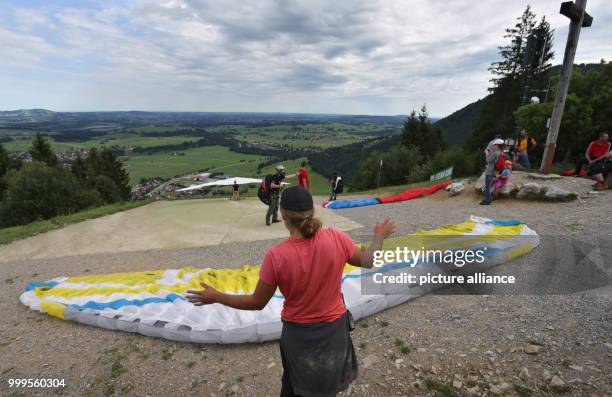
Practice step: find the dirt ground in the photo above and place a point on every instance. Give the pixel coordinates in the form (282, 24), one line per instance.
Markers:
(550, 336)
(161, 225)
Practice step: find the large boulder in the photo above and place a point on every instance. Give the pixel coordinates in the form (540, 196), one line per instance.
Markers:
(509, 189)
(533, 186)
(544, 177)
(530, 191)
(457, 188)
(555, 193)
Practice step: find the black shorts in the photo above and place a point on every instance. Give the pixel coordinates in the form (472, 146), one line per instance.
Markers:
(598, 167)
(318, 358)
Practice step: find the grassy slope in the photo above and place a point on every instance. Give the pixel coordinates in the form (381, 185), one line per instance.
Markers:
(318, 184)
(10, 234)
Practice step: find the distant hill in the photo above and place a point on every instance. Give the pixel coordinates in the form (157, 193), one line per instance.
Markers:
(458, 126)
(58, 121)
(26, 115)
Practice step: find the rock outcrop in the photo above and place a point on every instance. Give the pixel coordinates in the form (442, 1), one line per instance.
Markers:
(533, 186)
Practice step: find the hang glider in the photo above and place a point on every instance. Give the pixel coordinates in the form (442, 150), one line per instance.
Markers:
(224, 182)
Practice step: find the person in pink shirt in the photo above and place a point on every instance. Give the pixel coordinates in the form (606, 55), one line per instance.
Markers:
(316, 347)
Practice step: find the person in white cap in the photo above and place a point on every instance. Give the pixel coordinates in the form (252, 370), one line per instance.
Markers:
(492, 153)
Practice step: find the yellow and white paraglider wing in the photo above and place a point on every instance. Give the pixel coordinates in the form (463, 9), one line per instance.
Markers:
(153, 303)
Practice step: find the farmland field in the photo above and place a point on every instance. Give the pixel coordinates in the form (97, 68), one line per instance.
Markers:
(211, 158)
(168, 155)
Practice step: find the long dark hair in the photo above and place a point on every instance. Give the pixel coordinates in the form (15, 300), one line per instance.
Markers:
(304, 221)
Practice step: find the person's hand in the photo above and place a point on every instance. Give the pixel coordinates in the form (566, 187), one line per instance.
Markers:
(590, 162)
(385, 228)
(203, 297)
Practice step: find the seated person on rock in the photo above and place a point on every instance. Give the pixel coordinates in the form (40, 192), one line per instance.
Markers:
(595, 157)
(523, 146)
(502, 179)
(600, 170)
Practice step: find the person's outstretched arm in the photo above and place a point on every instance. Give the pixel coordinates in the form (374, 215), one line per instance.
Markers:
(256, 301)
(365, 258)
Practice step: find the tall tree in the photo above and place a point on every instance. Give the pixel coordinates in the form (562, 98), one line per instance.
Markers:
(419, 132)
(79, 169)
(524, 64)
(112, 167)
(5, 163)
(540, 59)
(102, 171)
(41, 151)
(512, 54)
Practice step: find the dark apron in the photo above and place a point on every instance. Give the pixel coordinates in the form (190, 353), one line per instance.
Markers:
(318, 358)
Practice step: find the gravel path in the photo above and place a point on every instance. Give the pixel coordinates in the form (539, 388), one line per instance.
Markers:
(469, 345)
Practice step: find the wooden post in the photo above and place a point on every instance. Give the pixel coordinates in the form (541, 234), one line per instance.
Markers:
(576, 23)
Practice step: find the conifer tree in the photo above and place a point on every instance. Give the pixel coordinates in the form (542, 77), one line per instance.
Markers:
(41, 151)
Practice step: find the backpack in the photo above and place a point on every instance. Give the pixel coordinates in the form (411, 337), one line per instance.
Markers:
(500, 164)
(520, 139)
(339, 185)
(264, 192)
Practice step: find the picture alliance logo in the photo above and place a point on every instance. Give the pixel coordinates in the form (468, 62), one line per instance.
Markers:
(459, 258)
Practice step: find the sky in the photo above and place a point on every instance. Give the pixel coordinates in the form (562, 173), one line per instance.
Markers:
(376, 57)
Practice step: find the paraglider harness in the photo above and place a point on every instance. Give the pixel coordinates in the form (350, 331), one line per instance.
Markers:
(264, 190)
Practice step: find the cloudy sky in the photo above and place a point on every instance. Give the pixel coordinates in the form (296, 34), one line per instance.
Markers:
(365, 57)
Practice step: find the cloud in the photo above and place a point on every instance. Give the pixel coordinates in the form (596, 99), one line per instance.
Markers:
(369, 56)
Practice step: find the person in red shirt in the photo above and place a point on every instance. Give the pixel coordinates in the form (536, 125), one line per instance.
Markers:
(316, 348)
(303, 178)
(595, 157)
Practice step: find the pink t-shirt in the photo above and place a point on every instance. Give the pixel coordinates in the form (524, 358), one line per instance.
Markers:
(308, 271)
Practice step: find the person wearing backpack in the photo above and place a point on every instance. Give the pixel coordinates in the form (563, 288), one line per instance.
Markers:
(337, 186)
(495, 162)
(273, 186)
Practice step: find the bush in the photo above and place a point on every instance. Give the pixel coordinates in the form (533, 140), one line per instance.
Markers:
(107, 189)
(37, 191)
(465, 162)
(400, 164)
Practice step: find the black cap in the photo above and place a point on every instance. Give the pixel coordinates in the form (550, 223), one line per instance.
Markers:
(296, 198)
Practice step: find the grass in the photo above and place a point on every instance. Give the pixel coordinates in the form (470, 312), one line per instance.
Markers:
(440, 387)
(117, 368)
(131, 140)
(522, 390)
(318, 183)
(14, 233)
(401, 345)
(166, 353)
